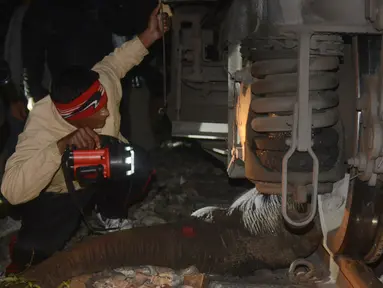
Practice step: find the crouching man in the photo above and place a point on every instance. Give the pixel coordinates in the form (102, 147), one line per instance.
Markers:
(83, 104)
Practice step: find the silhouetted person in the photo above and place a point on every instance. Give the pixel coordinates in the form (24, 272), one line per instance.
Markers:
(61, 33)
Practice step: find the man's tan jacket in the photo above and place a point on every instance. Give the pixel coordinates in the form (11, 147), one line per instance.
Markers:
(35, 166)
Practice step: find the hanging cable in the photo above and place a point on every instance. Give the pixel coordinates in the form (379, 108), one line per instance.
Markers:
(164, 79)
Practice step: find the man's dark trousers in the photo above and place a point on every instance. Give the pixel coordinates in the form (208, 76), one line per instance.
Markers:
(50, 220)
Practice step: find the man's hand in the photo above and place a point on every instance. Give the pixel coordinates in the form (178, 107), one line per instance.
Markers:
(18, 110)
(158, 25)
(82, 138)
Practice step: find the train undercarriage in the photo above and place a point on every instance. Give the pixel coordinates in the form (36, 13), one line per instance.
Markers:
(289, 95)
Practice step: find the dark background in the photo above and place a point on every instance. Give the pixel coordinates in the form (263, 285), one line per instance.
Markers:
(6, 10)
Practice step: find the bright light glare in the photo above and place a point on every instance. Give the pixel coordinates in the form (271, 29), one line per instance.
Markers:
(130, 160)
(30, 104)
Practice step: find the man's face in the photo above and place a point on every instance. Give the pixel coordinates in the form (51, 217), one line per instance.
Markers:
(96, 121)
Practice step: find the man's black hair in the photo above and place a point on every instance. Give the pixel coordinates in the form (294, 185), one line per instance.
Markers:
(72, 83)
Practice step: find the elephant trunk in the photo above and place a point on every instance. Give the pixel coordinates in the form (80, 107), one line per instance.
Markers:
(212, 248)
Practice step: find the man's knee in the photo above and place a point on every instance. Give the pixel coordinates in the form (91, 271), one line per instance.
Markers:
(24, 255)
(37, 242)
(49, 221)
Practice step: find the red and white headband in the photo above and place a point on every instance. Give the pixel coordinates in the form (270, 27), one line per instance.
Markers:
(87, 104)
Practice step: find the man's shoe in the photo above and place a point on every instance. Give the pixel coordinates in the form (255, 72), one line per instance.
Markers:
(112, 225)
(13, 268)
